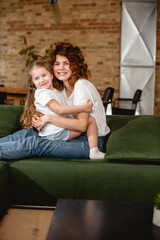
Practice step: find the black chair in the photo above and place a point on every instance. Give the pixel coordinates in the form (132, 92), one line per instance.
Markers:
(107, 96)
(107, 99)
(133, 104)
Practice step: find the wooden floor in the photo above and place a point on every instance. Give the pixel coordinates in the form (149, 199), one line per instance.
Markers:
(25, 224)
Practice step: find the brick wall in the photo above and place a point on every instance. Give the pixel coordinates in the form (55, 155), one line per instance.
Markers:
(93, 25)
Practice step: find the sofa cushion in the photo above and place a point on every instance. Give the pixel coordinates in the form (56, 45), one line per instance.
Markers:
(4, 188)
(9, 120)
(40, 181)
(134, 138)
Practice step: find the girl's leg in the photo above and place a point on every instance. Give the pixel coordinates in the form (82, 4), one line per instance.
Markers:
(74, 134)
(92, 134)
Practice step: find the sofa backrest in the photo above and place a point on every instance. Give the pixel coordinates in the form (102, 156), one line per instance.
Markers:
(10, 119)
(134, 138)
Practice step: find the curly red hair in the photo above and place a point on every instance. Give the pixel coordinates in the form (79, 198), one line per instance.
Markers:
(77, 63)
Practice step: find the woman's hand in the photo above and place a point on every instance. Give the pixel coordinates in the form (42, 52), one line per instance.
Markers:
(40, 121)
(88, 106)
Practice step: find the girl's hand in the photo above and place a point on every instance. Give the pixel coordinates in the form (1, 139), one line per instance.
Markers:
(88, 106)
(40, 121)
(44, 121)
(36, 120)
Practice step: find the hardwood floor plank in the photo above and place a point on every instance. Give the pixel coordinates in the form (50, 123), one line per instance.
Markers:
(25, 224)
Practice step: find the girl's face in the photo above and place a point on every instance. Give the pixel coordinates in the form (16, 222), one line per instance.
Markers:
(61, 68)
(42, 78)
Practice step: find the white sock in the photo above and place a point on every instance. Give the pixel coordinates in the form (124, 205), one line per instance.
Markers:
(96, 154)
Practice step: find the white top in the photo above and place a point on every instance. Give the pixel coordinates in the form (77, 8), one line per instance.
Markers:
(84, 90)
(42, 97)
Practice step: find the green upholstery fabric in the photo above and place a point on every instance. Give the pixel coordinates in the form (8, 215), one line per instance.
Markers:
(82, 179)
(9, 119)
(30, 183)
(134, 138)
(4, 188)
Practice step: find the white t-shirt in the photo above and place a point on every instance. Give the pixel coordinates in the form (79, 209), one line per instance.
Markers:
(42, 97)
(84, 90)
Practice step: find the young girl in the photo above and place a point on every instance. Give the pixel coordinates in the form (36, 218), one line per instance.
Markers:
(70, 68)
(48, 100)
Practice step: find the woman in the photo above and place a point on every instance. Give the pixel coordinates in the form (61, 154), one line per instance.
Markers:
(70, 68)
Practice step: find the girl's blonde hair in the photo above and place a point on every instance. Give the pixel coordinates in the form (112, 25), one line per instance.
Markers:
(29, 107)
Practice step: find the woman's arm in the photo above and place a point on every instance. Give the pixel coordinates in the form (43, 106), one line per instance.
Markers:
(66, 110)
(78, 124)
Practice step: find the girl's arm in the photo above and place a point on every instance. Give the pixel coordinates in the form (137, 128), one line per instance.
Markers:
(78, 124)
(66, 110)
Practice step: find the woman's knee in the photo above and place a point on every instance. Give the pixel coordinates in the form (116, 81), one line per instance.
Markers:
(28, 132)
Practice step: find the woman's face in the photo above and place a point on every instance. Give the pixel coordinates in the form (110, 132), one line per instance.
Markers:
(61, 68)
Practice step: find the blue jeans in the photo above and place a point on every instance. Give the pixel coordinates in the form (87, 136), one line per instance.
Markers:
(26, 143)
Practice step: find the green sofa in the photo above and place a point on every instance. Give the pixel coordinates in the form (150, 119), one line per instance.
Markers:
(129, 172)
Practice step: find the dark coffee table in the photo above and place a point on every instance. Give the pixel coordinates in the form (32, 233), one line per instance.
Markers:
(102, 220)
